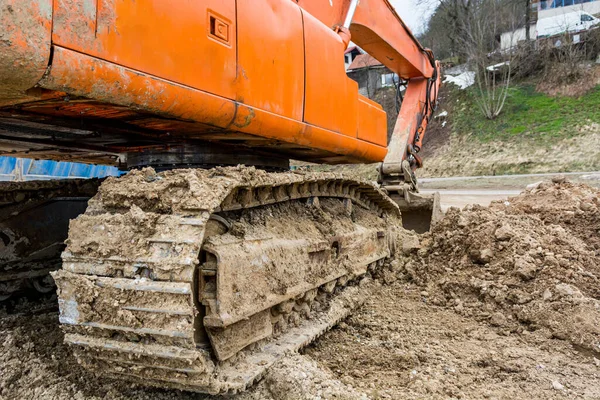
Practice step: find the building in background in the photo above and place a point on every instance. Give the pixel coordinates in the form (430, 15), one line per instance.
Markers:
(551, 8)
(552, 18)
(351, 53)
(370, 75)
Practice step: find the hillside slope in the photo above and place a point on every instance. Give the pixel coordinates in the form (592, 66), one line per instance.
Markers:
(535, 133)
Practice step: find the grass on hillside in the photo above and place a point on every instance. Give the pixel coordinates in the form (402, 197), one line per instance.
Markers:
(527, 114)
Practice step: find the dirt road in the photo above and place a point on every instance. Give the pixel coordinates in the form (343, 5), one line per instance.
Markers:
(460, 198)
(499, 182)
(460, 191)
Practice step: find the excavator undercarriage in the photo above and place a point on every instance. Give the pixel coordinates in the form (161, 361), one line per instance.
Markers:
(201, 279)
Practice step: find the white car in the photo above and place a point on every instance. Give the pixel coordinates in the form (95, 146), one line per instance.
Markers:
(572, 22)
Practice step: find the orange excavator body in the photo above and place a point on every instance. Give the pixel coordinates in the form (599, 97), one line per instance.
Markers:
(120, 79)
(194, 278)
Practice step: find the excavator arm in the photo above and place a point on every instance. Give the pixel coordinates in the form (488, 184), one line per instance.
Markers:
(375, 26)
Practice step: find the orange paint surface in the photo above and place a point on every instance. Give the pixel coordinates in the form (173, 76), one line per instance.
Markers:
(271, 57)
(82, 75)
(331, 97)
(268, 68)
(167, 39)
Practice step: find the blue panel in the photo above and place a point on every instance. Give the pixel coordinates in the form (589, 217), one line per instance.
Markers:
(80, 170)
(38, 167)
(7, 165)
(61, 169)
(46, 169)
(27, 162)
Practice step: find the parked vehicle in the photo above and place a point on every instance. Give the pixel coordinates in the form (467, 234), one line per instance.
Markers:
(572, 22)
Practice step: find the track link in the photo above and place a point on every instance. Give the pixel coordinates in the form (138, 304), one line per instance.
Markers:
(202, 279)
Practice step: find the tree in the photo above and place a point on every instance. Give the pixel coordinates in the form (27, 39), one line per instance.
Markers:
(474, 28)
(452, 22)
(527, 20)
(492, 77)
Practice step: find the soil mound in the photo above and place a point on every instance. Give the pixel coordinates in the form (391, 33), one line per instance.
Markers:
(531, 263)
(573, 206)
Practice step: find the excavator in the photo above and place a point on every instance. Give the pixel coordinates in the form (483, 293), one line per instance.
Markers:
(210, 260)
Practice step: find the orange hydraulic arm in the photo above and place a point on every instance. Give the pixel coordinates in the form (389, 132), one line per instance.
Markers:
(375, 26)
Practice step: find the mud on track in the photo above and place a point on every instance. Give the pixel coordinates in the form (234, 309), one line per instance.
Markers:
(36, 364)
(498, 303)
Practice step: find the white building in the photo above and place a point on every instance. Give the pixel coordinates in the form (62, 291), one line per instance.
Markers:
(554, 16)
(508, 40)
(551, 8)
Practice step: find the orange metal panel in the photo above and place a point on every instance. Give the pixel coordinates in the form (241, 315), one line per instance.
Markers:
(332, 14)
(271, 56)
(24, 46)
(190, 42)
(372, 122)
(82, 75)
(331, 97)
(377, 29)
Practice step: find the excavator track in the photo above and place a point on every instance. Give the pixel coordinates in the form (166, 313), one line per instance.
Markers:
(202, 279)
(34, 221)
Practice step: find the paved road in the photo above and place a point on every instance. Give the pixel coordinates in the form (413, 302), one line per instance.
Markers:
(591, 175)
(460, 198)
(503, 182)
(463, 190)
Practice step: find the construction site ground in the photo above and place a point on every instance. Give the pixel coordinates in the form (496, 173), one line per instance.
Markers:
(498, 302)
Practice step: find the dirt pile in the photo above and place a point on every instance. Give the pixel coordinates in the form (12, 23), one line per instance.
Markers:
(531, 263)
(522, 277)
(573, 206)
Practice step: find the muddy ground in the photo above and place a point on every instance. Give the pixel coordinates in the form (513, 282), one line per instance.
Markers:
(500, 302)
